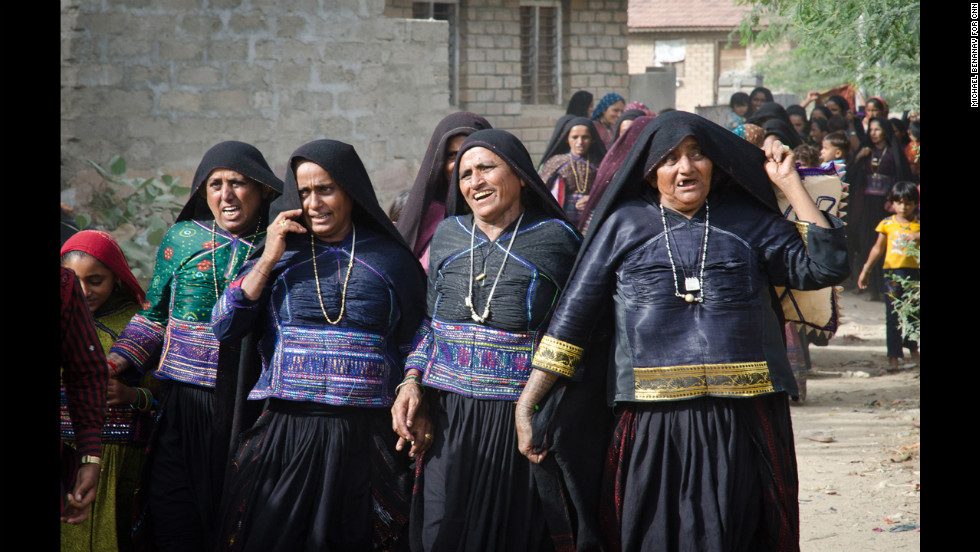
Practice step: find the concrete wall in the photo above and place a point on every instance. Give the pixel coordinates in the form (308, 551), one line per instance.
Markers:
(160, 81)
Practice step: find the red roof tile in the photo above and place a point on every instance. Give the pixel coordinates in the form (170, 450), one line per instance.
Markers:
(661, 14)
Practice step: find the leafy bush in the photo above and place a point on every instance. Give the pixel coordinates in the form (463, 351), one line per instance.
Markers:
(907, 304)
(136, 211)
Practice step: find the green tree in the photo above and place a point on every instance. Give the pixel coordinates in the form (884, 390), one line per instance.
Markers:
(136, 211)
(819, 44)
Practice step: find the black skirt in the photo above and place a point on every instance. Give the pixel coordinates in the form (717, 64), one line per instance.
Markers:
(301, 479)
(706, 474)
(473, 488)
(182, 502)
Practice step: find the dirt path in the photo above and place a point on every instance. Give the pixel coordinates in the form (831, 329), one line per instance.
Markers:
(857, 442)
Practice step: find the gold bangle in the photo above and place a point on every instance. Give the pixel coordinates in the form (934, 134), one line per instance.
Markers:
(89, 459)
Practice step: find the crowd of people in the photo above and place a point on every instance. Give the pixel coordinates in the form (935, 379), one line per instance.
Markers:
(583, 353)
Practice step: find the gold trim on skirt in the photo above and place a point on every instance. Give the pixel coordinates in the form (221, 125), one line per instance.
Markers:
(745, 379)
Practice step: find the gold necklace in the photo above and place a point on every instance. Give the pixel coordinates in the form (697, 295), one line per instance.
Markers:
(580, 188)
(316, 276)
(214, 241)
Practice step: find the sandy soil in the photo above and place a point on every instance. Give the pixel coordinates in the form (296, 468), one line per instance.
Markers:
(857, 441)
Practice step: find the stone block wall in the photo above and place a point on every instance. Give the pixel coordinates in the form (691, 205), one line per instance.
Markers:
(160, 82)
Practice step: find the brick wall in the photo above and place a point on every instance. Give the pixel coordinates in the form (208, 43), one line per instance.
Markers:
(594, 50)
(160, 82)
(701, 65)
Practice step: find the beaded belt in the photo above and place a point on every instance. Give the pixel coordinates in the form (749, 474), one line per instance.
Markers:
(476, 361)
(329, 366)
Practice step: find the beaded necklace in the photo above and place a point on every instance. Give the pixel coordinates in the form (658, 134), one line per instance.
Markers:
(691, 284)
(316, 277)
(469, 297)
(580, 188)
(214, 240)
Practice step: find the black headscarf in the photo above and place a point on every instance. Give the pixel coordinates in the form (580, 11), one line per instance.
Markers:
(579, 104)
(784, 131)
(556, 135)
(628, 115)
(734, 159)
(560, 144)
(345, 166)
(430, 184)
(240, 157)
(767, 111)
(510, 149)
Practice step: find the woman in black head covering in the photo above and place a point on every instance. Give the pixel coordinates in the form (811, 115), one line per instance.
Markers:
(684, 247)
(625, 120)
(426, 204)
(561, 126)
(496, 266)
(783, 131)
(572, 165)
(337, 296)
(580, 105)
(223, 222)
(875, 170)
(838, 105)
(768, 111)
(759, 95)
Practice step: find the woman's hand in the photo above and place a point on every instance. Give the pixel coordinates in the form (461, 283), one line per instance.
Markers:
(781, 167)
(523, 413)
(581, 203)
(275, 246)
(781, 164)
(81, 497)
(275, 238)
(862, 153)
(410, 420)
(120, 394)
(537, 386)
(811, 97)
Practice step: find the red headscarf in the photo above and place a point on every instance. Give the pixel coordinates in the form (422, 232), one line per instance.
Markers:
(104, 247)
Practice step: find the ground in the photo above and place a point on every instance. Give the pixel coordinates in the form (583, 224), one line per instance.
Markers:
(857, 441)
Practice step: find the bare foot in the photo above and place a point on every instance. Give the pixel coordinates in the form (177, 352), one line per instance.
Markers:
(893, 364)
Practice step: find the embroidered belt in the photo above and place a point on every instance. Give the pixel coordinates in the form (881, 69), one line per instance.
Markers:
(190, 353)
(122, 424)
(341, 367)
(718, 380)
(479, 362)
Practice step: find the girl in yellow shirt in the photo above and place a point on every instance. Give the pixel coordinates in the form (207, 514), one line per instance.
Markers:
(895, 233)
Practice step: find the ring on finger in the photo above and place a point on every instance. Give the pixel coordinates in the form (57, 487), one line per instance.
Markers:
(282, 222)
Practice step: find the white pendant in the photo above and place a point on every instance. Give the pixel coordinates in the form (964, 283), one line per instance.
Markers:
(692, 284)
(689, 298)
